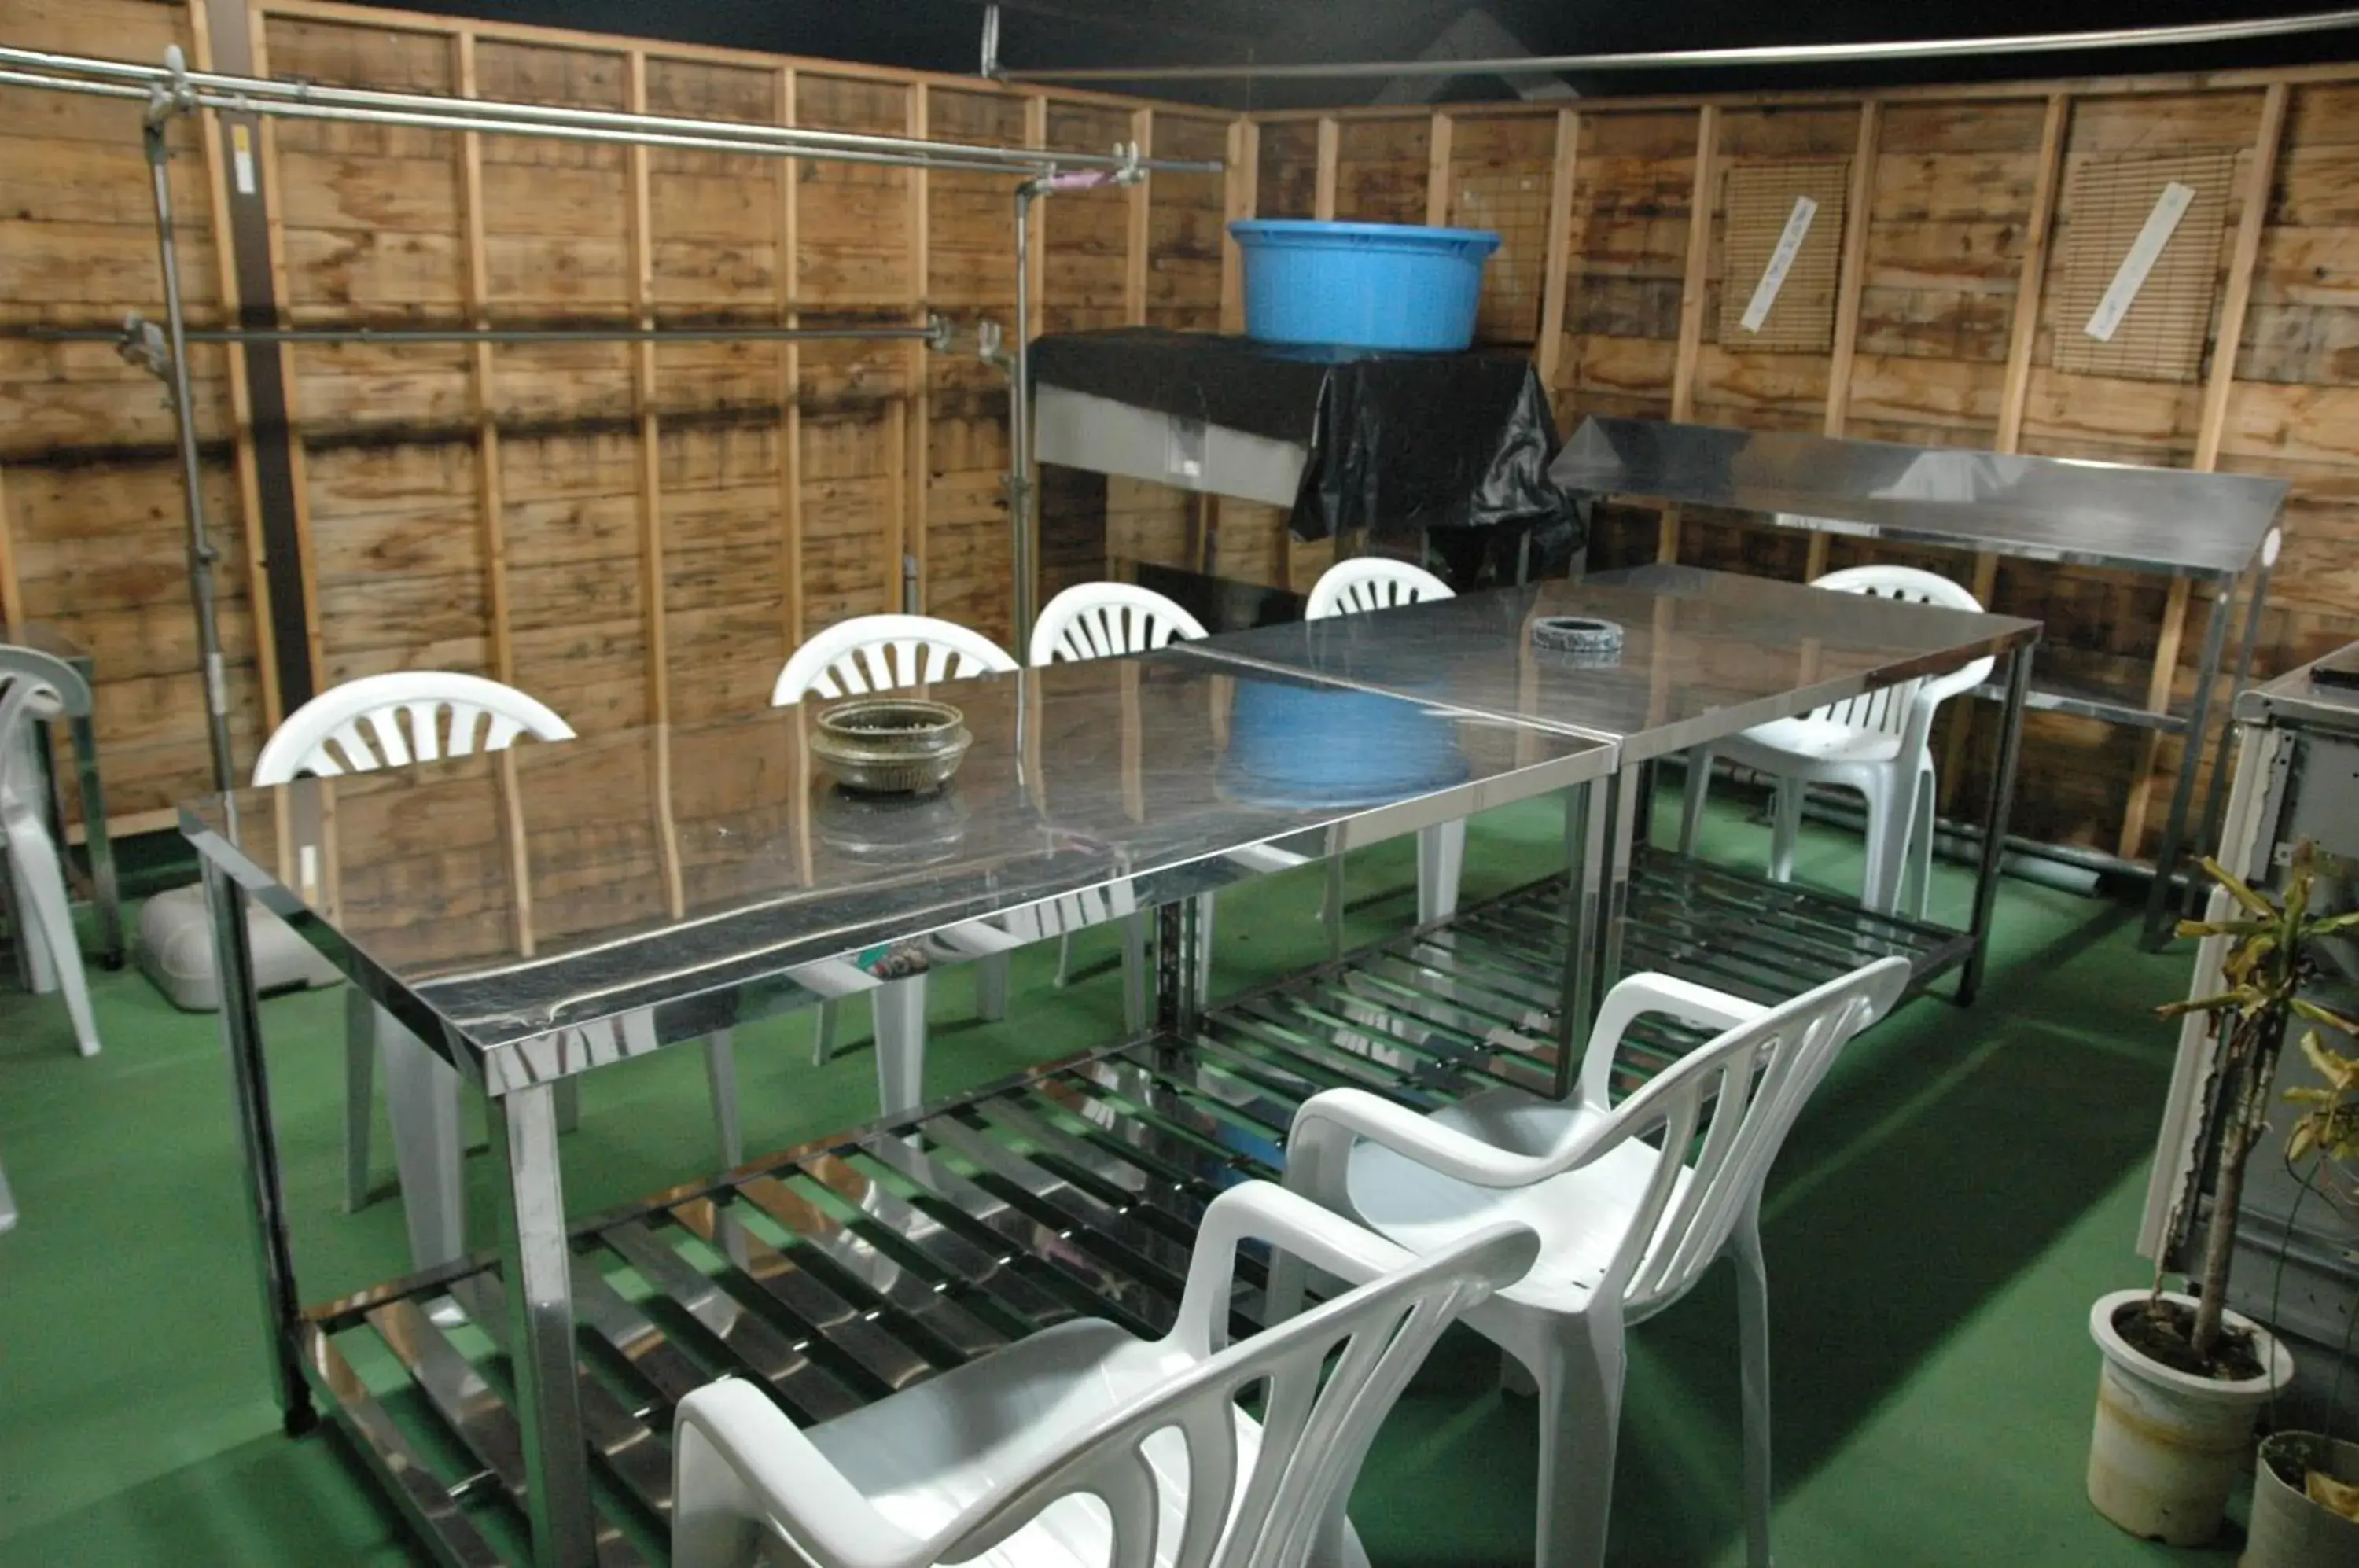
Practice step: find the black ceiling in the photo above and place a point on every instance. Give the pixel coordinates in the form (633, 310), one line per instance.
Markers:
(945, 35)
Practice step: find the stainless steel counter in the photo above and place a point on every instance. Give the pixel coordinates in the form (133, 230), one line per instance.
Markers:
(2220, 527)
(2216, 525)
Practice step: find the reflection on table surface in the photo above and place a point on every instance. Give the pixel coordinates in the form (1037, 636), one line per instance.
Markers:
(1705, 653)
(521, 890)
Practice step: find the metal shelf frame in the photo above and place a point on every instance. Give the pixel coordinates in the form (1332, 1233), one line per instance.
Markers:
(840, 1270)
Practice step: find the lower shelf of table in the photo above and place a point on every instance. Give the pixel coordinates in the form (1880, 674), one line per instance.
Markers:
(837, 1272)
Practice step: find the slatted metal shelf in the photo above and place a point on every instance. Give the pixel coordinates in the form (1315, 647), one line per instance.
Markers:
(839, 1271)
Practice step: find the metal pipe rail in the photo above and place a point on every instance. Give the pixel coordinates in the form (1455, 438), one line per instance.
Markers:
(295, 100)
(937, 333)
(1673, 59)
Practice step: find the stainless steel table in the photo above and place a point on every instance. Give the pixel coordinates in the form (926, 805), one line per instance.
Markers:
(98, 849)
(2219, 528)
(1706, 654)
(546, 913)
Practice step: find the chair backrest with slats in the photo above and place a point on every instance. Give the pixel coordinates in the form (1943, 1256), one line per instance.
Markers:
(33, 687)
(1887, 711)
(1717, 1118)
(1329, 1377)
(885, 653)
(1371, 583)
(1095, 620)
(392, 720)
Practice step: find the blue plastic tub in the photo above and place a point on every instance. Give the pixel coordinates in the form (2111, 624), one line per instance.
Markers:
(1362, 285)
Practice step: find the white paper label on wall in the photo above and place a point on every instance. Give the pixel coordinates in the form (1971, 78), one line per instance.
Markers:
(241, 157)
(1781, 261)
(2168, 208)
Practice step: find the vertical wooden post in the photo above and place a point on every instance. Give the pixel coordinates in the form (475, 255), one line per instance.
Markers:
(299, 477)
(482, 395)
(12, 587)
(1850, 282)
(1555, 284)
(785, 291)
(1692, 293)
(1036, 135)
(2023, 333)
(917, 415)
(1240, 199)
(1138, 227)
(1330, 145)
(2252, 224)
(1439, 136)
(651, 565)
(240, 400)
(482, 391)
(2030, 282)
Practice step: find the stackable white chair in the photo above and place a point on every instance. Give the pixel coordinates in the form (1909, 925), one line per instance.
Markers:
(1082, 1445)
(1632, 1203)
(396, 721)
(34, 688)
(1096, 620)
(885, 653)
(1373, 583)
(1879, 744)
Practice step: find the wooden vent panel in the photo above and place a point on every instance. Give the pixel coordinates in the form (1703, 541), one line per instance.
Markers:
(1758, 200)
(2106, 203)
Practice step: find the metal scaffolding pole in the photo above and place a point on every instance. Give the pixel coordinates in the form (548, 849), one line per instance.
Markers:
(1676, 59)
(937, 333)
(161, 109)
(293, 100)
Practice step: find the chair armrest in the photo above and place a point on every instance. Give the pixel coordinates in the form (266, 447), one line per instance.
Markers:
(1328, 1123)
(1635, 997)
(1287, 1221)
(770, 1459)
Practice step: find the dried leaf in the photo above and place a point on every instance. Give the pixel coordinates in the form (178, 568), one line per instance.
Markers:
(2335, 1497)
(2318, 1015)
(2237, 889)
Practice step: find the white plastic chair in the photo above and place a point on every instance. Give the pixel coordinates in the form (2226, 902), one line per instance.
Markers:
(1879, 744)
(395, 721)
(1097, 620)
(883, 653)
(1373, 583)
(35, 687)
(1632, 1203)
(999, 1461)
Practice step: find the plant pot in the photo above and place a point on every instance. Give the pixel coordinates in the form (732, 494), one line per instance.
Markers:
(2168, 1445)
(2288, 1530)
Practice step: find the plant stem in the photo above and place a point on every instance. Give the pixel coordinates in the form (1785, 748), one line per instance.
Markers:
(2247, 1120)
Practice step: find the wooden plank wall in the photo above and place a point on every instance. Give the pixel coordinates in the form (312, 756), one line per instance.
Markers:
(633, 533)
(1956, 202)
(91, 531)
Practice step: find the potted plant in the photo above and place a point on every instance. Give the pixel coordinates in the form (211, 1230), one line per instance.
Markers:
(2184, 1377)
(2306, 1486)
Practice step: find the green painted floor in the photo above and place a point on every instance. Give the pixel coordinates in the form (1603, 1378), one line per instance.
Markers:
(1963, 1186)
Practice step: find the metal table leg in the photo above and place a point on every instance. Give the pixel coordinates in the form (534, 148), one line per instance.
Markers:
(1616, 841)
(1179, 967)
(2190, 756)
(535, 1267)
(265, 1198)
(1585, 861)
(2002, 800)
